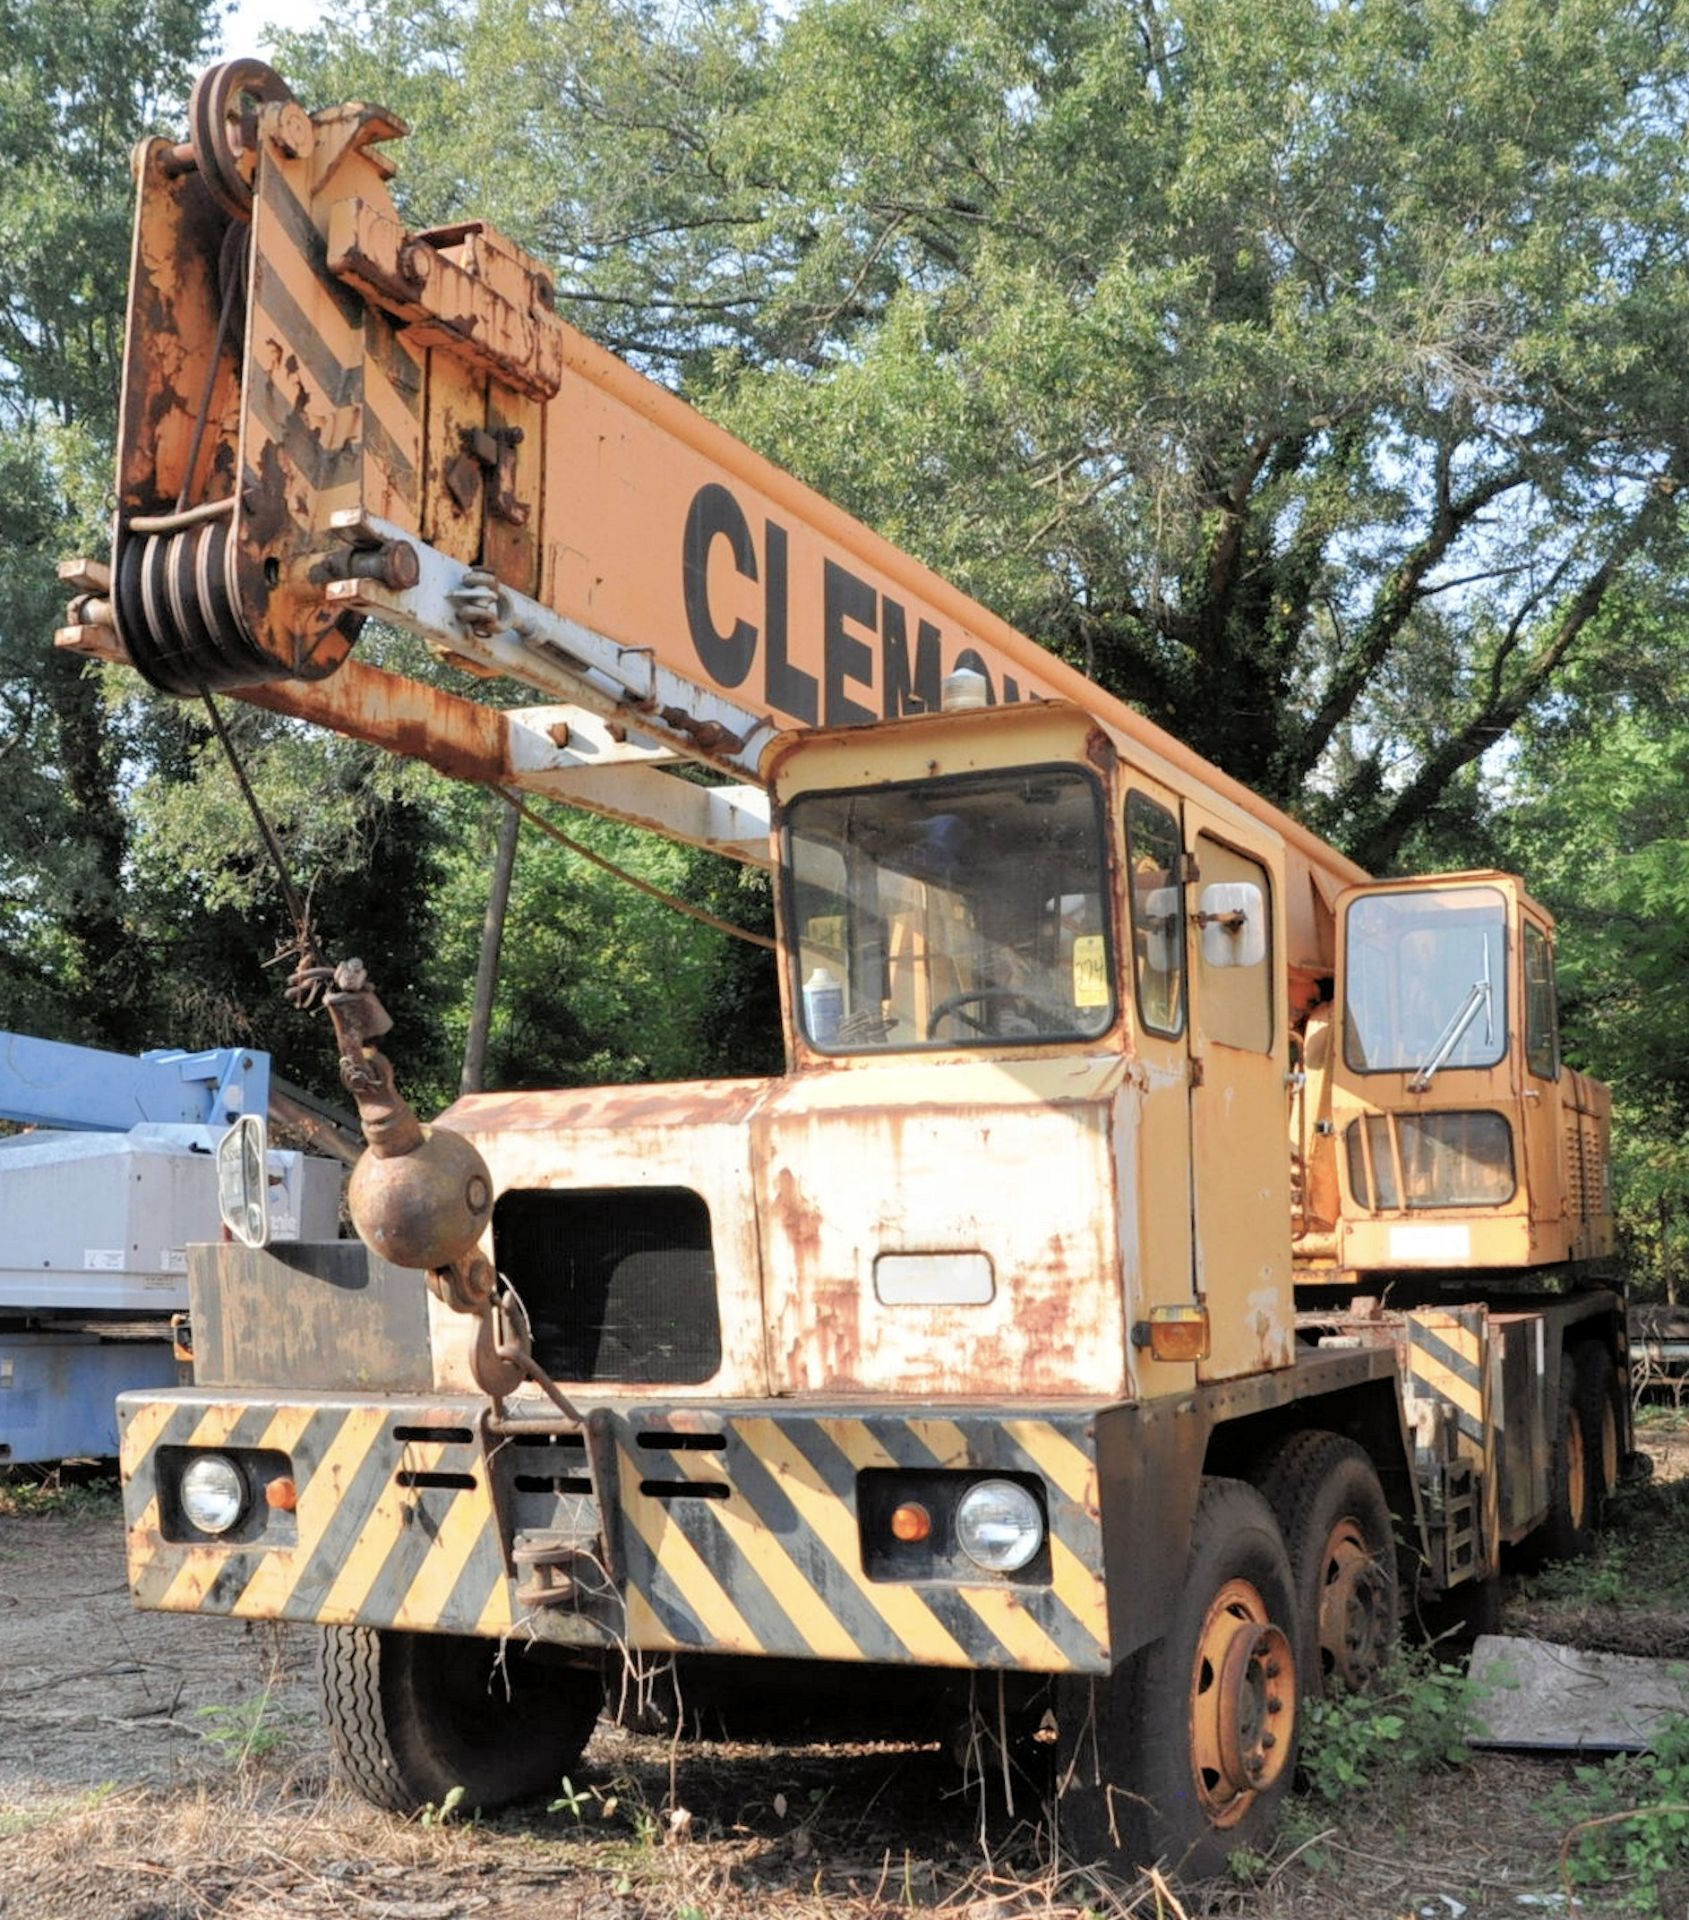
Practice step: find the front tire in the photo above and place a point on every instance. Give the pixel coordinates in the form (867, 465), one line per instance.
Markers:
(413, 1716)
(1183, 1753)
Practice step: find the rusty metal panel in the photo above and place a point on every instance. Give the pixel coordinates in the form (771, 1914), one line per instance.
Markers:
(174, 309)
(749, 1543)
(692, 1136)
(1524, 1418)
(1012, 1163)
(317, 1315)
(395, 1523)
(452, 506)
(514, 493)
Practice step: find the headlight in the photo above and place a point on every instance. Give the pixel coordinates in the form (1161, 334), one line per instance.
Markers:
(998, 1526)
(213, 1493)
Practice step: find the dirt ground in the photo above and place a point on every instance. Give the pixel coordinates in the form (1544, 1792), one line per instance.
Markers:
(164, 1768)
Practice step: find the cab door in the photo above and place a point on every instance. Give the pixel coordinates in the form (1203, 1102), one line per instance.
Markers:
(1240, 1151)
(1156, 989)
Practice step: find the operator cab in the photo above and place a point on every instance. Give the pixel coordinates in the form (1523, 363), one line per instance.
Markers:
(1461, 1139)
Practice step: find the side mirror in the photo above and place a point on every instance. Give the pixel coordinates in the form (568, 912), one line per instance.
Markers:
(1233, 919)
(243, 1181)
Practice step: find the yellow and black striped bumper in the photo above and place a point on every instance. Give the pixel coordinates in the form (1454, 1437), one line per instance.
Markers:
(733, 1530)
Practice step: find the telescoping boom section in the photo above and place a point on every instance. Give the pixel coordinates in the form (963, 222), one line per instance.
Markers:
(971, 1343)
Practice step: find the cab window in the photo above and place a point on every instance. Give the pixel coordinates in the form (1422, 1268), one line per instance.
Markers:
(1158, 927)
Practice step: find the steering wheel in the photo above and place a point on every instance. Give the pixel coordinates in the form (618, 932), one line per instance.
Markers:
(1046, 1018)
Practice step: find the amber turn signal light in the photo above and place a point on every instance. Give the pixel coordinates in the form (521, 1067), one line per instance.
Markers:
(911, 1522)
(282, 1494)
(1174, 1333)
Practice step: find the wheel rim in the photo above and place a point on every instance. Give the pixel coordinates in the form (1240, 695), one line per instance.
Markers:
(1352, 1627)
(1242, 1704)
(1577, 1480)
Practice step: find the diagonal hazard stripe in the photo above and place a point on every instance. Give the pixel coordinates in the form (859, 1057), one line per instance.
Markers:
(1002, 1610)
(339, 381)
(1063, 1464)
(1449, 1355)
(786, 1610)
(1463, 1395)
(386, 1519)
(324, 469)
(212, 1579)
(830, 1515)
(279, 204)
(1078, 1619)
(836, 1594)
(672, 1561)
(335, 1499)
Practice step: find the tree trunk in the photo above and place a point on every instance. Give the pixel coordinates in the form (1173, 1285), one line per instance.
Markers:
(492, 938)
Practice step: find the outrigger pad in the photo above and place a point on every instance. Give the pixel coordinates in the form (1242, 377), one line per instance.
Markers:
(1536, 1695)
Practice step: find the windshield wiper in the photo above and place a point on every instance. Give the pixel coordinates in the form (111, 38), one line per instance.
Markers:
(1477, 995)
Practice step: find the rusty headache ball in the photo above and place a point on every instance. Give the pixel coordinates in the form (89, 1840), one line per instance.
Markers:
(426, 1208)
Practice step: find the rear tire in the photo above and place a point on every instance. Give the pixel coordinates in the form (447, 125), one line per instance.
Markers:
(1596, 1389)
(413, 1716)
(1568, 1531)
(1337, 1530)
(1184, 1752)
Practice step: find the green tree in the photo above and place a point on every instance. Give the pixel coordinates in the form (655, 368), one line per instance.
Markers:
(80, 83)
(1599, 816)
(1307, 370)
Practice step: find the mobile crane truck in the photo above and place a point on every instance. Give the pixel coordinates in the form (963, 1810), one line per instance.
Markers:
(1168, 1253)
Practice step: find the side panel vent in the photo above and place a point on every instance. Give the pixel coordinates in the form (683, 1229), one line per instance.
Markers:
(619, 1283)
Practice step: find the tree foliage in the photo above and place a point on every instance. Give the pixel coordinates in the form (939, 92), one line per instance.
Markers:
(1599, 816)
(1306, 370)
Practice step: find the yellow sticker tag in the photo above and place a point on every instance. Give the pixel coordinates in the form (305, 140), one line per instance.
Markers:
(1090, 971)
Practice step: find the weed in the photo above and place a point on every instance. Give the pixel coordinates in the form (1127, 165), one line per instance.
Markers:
(1414, 1720)
(578, 1802)
(248, 1733)
(443, 1814)
(1642, 1561)
(1628, 1827)
(28, 1493)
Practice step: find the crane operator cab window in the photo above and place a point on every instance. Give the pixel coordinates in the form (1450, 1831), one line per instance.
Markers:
(1427, 997)
(963, 912)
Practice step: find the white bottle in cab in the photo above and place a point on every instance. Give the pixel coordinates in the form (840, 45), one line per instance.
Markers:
(823, 1007)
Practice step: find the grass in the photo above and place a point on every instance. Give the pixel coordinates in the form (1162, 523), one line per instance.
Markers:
(1384, 1831)
(1628, 1595)
(68, 1492)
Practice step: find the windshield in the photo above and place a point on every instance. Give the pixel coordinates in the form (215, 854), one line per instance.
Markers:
(1427, 982)
(951, 913)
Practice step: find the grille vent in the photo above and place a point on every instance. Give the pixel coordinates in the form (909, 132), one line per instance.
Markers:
(619, 1283)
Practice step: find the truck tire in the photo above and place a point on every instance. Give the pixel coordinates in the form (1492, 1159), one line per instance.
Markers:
(1184, 1752)
(1337, 1530)
(1597, 1390)
(411, 1716)
(1568, 1531)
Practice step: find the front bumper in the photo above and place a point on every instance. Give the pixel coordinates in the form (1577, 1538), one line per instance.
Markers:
(734, 1529)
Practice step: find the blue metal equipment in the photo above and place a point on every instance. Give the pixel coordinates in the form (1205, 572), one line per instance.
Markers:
(99, 1199)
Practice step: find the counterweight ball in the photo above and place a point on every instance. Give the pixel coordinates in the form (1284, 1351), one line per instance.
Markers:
(426, 1208)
